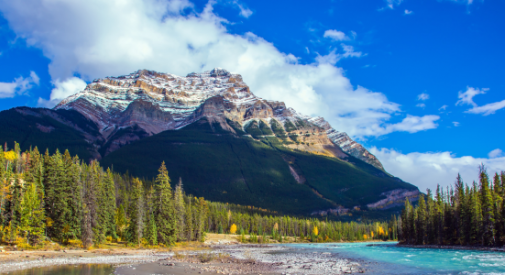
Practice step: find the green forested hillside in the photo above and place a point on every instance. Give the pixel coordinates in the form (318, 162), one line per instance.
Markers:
(48, 129)
(217, 164)
(228, 168)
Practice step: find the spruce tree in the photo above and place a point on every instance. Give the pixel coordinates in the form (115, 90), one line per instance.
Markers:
(476, 216)
(189, 220)
(89, 213)
(152, 231)
(32, 214)
(202, 215)
(16, 194)
(487, 209)
(108, 204)
(74, 197)
(121, 221)
(497, 205)
(136, 213)
(405, 229)
(57, 196)
(467, 217)
(421, 221)
(180, 211)
(164, 208)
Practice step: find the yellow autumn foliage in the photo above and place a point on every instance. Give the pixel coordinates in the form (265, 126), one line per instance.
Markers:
(233, 229)
(381, 231)
(10, 155)
(315, 231)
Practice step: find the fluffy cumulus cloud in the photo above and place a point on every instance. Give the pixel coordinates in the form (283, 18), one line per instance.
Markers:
(96, 38)
(426, 170)
(407, 12)
(62, 90)
(19, 86)
(335, 35)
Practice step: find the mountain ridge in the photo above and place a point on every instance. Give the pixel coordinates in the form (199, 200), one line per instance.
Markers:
(174, 102)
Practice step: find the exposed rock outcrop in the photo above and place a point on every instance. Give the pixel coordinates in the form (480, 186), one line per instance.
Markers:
(151, 102)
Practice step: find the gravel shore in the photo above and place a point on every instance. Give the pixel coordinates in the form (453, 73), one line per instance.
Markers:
(247, 259)
(217, 259)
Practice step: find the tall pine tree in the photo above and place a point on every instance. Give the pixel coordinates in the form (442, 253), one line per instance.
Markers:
(487, 209)
(164, 208)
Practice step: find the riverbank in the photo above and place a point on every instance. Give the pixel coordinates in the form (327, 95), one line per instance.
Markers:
(247, 259)
(213, 259)
(20, 260)
(457, 247)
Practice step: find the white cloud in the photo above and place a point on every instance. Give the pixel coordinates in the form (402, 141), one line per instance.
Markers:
(443, 108)
(349, 51)
(423, 96)
(467, 96)
(487, 109)
(335, 35)
(19, 86)
(244, 11)
(455, 123)
(62, 90)
(495, 153)
(421, 105)
(124, 36)
(407, 12)
(425, 170)
(413, 124)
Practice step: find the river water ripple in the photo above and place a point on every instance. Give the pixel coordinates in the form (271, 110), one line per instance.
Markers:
(387, 258)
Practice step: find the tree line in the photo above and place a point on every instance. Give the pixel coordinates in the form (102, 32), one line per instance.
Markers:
(60, 198)
(462, 215)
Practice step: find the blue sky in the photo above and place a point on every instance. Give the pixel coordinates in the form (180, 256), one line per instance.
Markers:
(416, 81)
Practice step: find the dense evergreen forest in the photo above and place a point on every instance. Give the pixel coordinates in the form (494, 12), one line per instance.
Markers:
(46, 198)
(463, 215)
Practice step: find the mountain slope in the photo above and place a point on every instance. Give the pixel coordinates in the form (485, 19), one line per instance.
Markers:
(49, 129)
(218, 165)
(224, 142)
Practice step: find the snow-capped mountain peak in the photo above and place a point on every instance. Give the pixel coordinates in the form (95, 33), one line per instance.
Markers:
(152, 102)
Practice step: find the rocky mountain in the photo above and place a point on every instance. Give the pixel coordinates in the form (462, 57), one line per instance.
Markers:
(154, 102)
(225, 143)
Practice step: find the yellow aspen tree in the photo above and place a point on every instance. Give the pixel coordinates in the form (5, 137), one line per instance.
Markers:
(233, 229)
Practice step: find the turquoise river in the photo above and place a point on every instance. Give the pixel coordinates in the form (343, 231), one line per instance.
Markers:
(387, 258)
